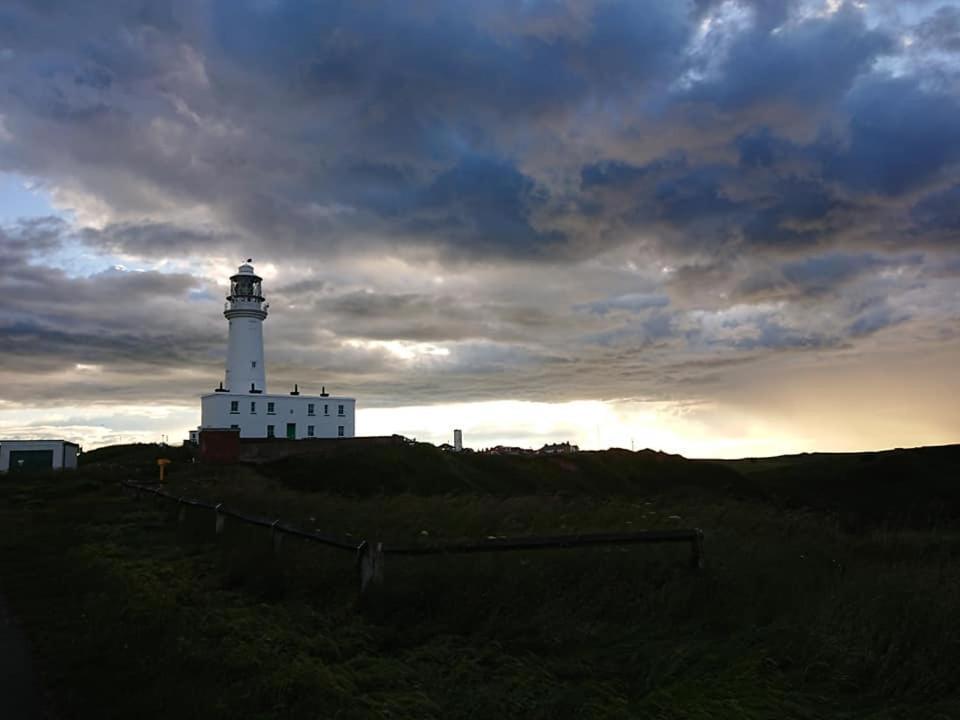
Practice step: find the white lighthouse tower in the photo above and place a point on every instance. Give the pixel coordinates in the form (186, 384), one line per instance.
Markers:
(245, 311)
(242, 402)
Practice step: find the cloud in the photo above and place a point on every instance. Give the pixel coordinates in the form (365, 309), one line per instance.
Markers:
(807, 63)
(771, 335)
(31, 236)
(422, 317)
(558, 199)
(796, 213)
(760, 148)
(484, 205)
(823, 273)
(937, 216)
(941, 30)
(900, 136)
(146, 239)
(633, 302)
(877, 318)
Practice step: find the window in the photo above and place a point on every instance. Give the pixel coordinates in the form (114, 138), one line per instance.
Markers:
(270, 431)
(271, 408)
(326, 409)
(309, 430)
(234, 427)
(309, 408)
(253, 363)
(253, 407)
(339, 430)
(234, 406)
(339, 409)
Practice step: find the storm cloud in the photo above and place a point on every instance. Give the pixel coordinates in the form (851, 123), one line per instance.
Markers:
(455, 200)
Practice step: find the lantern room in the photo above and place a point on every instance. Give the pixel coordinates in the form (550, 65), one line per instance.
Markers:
(245, 285)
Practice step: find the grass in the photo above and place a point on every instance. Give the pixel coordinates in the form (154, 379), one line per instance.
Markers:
(797, 615)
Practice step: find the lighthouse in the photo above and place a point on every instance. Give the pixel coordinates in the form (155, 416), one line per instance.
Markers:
(242, 402)
(245, 310)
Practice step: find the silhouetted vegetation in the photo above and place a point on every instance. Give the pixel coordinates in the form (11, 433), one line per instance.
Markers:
(829, 591)
(916, 486)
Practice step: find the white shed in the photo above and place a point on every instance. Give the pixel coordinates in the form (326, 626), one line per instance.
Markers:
(35, 455)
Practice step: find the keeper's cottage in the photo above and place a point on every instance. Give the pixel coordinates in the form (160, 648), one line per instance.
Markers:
(242, 401)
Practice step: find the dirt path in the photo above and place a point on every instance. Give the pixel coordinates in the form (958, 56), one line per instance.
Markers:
(20, 694)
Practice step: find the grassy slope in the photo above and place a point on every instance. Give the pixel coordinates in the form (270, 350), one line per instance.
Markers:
(916, 486)
(793, 617)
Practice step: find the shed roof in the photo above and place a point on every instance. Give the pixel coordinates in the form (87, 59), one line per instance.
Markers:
(38, 440)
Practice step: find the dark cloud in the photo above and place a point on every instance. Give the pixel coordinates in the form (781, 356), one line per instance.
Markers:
(625, 177)
(937, 216)
(314, 126)
(900, 136)
(798, 215)
(147, 239)
(773, 335)
(542, 200)
(759, 147)
(819, 274)
(634, 302)
(713, 206)
(486, 205)
(806, 63)
(429, 318)
(941, 30)
(30, 236)
(442, 58)
(879, 316)
(691, 203)
(127, 321)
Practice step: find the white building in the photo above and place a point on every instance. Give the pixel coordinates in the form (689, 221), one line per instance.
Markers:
(37, 455)
(242, 401)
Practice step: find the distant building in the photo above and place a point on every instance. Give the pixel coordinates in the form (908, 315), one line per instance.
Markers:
(242, 402)
(558, 449)
(508, 450)
(458, 440)
(37, 455)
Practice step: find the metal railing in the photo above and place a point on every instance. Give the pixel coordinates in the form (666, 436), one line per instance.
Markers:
(370, 555)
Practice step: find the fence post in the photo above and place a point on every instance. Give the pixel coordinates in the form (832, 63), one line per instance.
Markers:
(277, 537)
(370, 564)
(220, 518)
(696, 546)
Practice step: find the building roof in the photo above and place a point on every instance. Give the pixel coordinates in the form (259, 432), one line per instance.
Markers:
(40, 440)
(286, 396)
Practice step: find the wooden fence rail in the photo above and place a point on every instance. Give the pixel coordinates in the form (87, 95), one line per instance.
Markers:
(370, 556)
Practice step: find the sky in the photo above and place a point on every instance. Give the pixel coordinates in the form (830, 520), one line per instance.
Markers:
(716, 228)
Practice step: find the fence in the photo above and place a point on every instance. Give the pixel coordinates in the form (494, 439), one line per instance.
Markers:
(370, 556)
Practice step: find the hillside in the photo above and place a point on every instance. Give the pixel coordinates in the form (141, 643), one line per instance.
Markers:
(423, 469)
(796, 615)
(916, 485)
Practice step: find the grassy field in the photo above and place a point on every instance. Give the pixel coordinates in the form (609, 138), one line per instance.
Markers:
(831, 588)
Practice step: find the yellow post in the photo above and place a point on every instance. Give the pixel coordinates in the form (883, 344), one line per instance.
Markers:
(162, 463)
